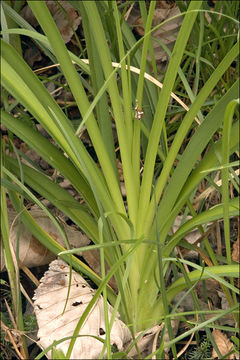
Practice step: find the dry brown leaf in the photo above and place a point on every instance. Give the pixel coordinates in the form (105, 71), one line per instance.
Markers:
(149, 341)
(31, 251)
(120, 170)
(27, 14)
(212, 287)
(59, 17)
(224, 302)
(61, 21)
(32, 55)
(191, 237)
(121, 177)
(49, 302)
(144, 343)
(223, 343)
(235, 252)
(92, 257)
(187, 304)
(166, 33)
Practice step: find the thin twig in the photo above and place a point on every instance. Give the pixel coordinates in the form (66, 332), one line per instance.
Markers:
(136, 71)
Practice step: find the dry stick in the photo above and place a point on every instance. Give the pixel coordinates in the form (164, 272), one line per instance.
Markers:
(136, 71)
(211, 188)
(128, 12)
(10, 314)
(185, 346)
(157, 83)
(8, 331)
(154, 346)
(23, 291)
(29, 274)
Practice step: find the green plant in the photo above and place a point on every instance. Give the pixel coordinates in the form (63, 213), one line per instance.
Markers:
(236, 344)
(30, 322)
(133, 239)
(202, 352)
(58, 354)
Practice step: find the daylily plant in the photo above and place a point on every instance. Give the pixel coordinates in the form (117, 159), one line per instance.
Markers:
(133, 233)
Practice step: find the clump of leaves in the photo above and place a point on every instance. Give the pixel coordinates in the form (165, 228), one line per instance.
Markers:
(202, 352)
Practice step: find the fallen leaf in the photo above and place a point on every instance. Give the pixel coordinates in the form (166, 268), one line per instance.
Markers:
(59, 17)
(223, 343)
(148, 342)
(235, 252)
(61, 21)
(49, 302)
(212, 286)
(92, 257)
(191, 237)
(144, 343)
(166, 33)
(31, 55)
(31, 251)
